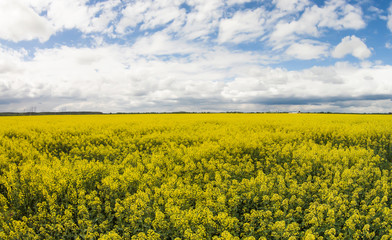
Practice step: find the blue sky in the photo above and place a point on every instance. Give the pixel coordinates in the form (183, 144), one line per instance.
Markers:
(196, 55)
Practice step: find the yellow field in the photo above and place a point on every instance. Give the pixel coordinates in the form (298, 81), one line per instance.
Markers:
(196, 176)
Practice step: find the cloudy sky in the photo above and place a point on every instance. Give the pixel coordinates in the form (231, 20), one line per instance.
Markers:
(196, 55)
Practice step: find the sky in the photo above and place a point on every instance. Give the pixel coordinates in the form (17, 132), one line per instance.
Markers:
(196, 55)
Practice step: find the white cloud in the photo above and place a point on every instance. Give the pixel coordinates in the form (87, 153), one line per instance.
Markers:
(69, 14)
(388, 45)
(375, 13)
(149, 14)
(389, 24)
(334, 85)
(232, 2)
(28, 20)
(291, 5)
(306, 50)
(59, 13)
(114, 78)
(174, 62)
(132, 15)
(336, 14)
(160, 16)
(202, 20)
(287, 31)
(243, 26)
(161, 43)
(104, 15)
(351, 45)
(10, 61)
(18, 22)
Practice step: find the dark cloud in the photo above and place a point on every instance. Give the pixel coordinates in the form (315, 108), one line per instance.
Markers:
(319, 100)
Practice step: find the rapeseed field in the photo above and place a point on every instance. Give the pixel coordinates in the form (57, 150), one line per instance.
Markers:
(196, 176)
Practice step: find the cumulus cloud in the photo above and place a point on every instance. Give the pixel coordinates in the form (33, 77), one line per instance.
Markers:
(232, 2)
(114, 78)
(191, 20)
(335, 14)
(338, 14)
(117, 78)
(161, 43)
(149, 15)
(286, 31)
(27, 20)
(306, 50)
(86, 18)
(374, 13)
(19, 22)
(202, 20)
(10, 60)
(351, 45)
(132, 15)
(193, 55)
(315, 86)
(291, 5)
(243, 26)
